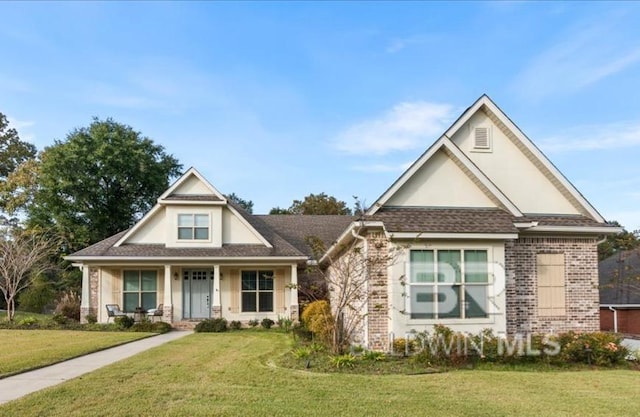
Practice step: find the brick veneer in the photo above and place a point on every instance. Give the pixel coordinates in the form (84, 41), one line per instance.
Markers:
(581, 274)
(93, 296)
(378, 302)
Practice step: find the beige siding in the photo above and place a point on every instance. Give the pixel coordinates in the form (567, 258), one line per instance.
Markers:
(235, 292)
(279, 282)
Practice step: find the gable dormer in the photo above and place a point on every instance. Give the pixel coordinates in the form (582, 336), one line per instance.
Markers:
(192, 213)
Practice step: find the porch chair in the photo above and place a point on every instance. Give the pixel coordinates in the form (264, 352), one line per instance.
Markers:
(155, 312)
(113, 310)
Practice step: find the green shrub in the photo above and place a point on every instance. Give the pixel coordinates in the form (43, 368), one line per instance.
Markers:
(91, 318)
(343, 361)
(285, 323)
(374, 356)
(302, 352)
(598, 348)
(38, 296)
(149, 326)
(253, 323)
(29, 322)
(59, 318)
(267, 323)
(124, 322)
(216, 325)
(235, 325)
(403, 346)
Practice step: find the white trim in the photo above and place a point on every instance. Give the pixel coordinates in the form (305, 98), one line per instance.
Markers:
(623, 306)
(577, 229)
(347, 235)
(164, 259)
(193, 203)
(183, 178)
(428, 235)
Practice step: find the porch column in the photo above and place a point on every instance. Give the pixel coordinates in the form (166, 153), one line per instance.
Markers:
(85, 305)
(216, 310)
(294, 293)
(167, 313)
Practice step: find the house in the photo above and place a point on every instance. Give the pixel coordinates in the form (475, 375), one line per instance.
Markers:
(201, 256)
(488, 234)
(620, 292)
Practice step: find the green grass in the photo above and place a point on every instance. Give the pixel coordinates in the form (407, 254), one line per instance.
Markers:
(29, 349)
(20, 315)
(233, 374)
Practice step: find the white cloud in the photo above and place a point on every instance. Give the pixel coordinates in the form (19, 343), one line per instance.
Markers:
(587, 54)
(594, 137)
(406, 126)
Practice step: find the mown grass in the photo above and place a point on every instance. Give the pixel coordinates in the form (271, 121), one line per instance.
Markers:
(233, 374)
(23, 350)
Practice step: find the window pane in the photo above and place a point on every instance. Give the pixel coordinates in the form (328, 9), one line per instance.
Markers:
(185, 233)
(249, 281)
(421, 266)
(149, 300)
(449, 266)
(202, 233)
(249, 301)
(422, 302)
(266, 280)
(476, 301)
(130, 301)
(448, 301)
(266, 301)
(185, 220)
(475, 266)
(202, 220)
(131, 281)
(149, 281)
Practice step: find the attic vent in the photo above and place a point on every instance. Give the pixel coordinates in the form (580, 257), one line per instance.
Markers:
(482, 138)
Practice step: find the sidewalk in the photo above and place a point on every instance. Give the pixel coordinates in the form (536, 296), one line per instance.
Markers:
(19, 385)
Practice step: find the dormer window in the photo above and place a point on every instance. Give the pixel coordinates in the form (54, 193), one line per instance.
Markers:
(193, 227)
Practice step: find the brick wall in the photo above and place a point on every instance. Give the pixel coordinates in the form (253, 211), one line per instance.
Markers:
(93, 296)
(378, 303)
(581, 275)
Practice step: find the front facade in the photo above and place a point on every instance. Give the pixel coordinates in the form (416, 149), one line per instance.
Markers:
(482, 232)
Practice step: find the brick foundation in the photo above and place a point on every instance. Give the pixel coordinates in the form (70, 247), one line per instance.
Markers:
(581, 274)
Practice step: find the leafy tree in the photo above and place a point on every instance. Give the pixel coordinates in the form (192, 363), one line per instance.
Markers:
(25, 255)
(100, 180)
(245, 204)
(620, 242)
(315, 204)
(13, 151)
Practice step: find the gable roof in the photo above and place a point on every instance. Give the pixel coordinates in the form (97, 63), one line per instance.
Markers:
(485, 104)
(620, 278)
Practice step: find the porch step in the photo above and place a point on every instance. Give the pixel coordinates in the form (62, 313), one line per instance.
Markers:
(184, 325)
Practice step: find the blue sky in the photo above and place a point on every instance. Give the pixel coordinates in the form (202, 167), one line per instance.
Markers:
(274, 101)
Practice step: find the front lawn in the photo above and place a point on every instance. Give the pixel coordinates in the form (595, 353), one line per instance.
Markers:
(23, 350)
(234, 374)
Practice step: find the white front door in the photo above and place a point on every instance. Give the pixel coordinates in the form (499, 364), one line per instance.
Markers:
(196, 290)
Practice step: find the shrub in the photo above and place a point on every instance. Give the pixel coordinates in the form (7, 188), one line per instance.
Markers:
(598, 348)
(374, 356)
(69, 305)
(285, 323)
(318, 319)
(149, 326)
(59, 318)
(267, 323)
(302, 352)
(403, 346)
(29, 322)
(253, 323)
(235, 325)
(216, 325)
(38, 296)
(124, 322)
(91, 318)
(343, 361)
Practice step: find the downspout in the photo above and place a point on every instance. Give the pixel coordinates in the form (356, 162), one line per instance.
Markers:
(366, 285)
(615, 319)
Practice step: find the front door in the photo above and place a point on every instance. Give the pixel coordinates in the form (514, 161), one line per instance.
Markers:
(196, 288)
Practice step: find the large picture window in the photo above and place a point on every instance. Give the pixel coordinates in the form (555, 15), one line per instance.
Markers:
(445, 283)
(193, 226)
(257, 291)
(140, 290)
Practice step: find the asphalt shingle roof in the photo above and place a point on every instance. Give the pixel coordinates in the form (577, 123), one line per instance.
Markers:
(620, 278)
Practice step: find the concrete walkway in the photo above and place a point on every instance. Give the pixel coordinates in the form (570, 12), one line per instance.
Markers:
(19, 385)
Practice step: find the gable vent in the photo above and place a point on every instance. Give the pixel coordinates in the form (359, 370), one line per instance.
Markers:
(482, 139)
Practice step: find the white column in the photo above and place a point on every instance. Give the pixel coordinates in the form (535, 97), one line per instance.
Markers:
(216, 288)
(84, 303)
(294, 292)
(167, 288)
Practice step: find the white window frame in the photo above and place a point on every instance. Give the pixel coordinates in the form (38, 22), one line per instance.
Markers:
(412, 286)
(194, 227)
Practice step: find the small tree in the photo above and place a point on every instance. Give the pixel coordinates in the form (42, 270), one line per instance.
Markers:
(24, 255)
(350, 274)
(245, 204)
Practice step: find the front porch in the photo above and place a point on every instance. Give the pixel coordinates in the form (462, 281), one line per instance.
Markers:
(192, 292)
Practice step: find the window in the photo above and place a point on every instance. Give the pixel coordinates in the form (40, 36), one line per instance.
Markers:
(193, 226)
(140, 290)
(257, 291)
(448, 284)
(551, 284)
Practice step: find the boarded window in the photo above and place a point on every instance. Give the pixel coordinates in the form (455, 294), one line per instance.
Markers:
(551, 284)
